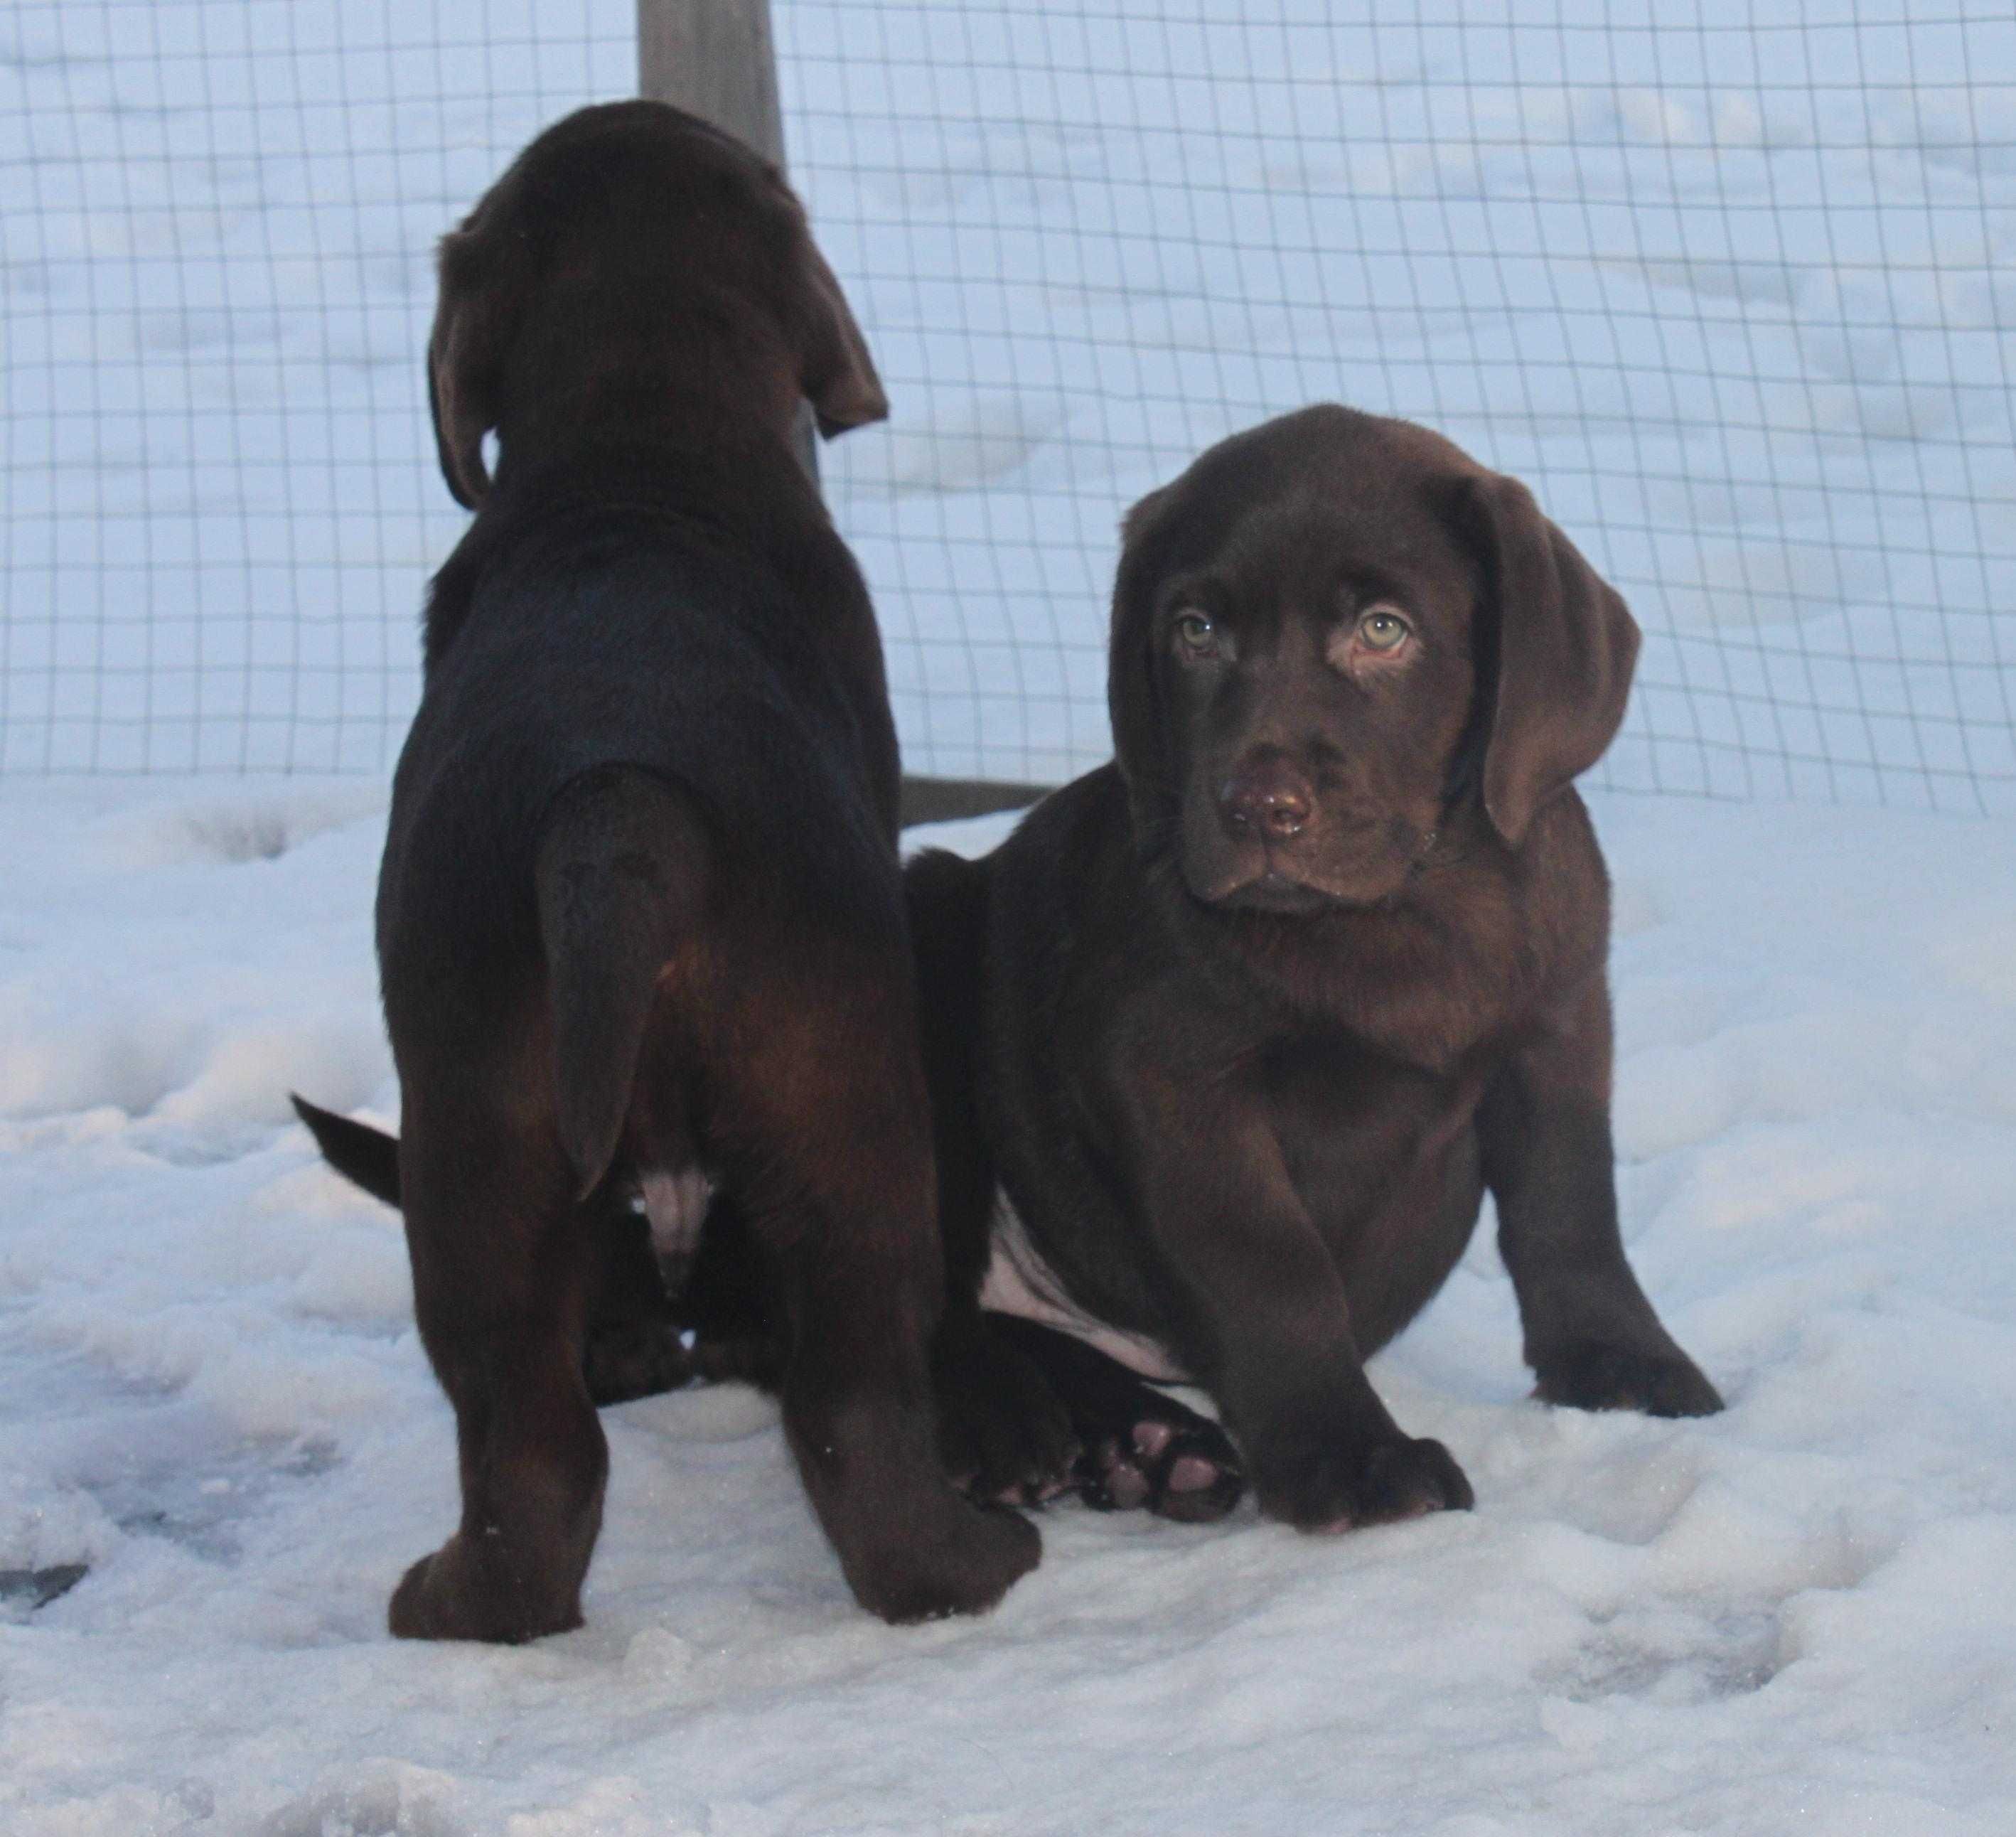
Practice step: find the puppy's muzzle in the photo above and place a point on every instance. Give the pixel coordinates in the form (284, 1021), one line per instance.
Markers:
(1265, 837)
(1266, 799)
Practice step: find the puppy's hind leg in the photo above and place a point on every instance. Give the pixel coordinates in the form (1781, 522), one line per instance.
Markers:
(501, 1276)
(510, 1122)
(835, 1169)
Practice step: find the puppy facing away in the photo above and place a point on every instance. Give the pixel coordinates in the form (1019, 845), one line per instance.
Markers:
(639, 903)
(1271, 1002)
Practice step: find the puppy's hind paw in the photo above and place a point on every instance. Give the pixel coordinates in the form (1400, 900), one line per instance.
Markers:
(953, 1558)
(465, 1592)
(634, 1358)
(1005, 1437)
(912, 1547)
(1171, 1461)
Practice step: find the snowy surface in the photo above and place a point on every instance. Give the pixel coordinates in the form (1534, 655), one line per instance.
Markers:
(1799, 1615)
(1728, 281)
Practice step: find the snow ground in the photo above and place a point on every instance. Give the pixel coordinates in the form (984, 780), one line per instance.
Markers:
(1799, 1615)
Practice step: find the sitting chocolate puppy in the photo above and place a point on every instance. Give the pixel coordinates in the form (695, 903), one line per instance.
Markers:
(1268, 1003)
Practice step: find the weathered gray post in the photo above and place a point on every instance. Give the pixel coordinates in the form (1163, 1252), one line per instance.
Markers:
(715, 58)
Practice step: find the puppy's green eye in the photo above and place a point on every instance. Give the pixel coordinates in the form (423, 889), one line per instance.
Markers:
(1196, 635)
(1383, 629)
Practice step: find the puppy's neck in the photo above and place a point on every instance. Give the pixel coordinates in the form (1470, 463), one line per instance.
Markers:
(697, 482)
(689, 374)
(649, 415)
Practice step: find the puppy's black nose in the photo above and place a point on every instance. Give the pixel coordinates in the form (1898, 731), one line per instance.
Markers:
(1266, 794)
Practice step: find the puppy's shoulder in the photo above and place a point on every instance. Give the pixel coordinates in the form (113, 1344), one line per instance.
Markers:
(452, 592)
(1072, 858)
(1072, 926)
(1561, 887)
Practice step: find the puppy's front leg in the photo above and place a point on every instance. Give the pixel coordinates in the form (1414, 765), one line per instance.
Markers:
(1592, 1338)
(1260, 1310)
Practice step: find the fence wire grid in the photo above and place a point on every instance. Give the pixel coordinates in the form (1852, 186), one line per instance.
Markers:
(1730, 283)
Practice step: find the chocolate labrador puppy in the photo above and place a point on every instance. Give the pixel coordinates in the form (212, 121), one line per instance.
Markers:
(639, 903)
(1268, 1004)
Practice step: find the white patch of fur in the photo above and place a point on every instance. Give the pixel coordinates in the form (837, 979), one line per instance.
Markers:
(1019, 1282)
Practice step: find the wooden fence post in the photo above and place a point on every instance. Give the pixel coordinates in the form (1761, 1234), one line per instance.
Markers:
(716, 58)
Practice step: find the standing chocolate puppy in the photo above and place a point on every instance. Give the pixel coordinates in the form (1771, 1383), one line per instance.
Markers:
(640, 902)
(1272, 1001)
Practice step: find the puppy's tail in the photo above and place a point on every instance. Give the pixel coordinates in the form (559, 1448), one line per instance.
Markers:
(364, 1156)
(625, 867)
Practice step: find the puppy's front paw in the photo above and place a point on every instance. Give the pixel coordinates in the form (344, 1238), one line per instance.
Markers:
(1347, 1485)
(1586, 1375)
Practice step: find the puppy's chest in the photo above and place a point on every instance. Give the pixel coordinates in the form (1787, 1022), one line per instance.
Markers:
(1416, 987)
(1353, 1124)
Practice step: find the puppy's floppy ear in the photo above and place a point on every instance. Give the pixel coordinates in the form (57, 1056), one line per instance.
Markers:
(1132, 702)
(835, 371)
(1565, 643)
(482, 280)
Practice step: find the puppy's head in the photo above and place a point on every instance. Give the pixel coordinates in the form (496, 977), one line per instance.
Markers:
(1330, 630)
(632, 254)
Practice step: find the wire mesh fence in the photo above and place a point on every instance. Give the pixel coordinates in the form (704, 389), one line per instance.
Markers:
(218, 221)
(1728, 282)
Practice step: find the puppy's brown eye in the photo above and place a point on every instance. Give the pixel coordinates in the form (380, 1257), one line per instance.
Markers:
(1383, 629)
(1197, 637)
